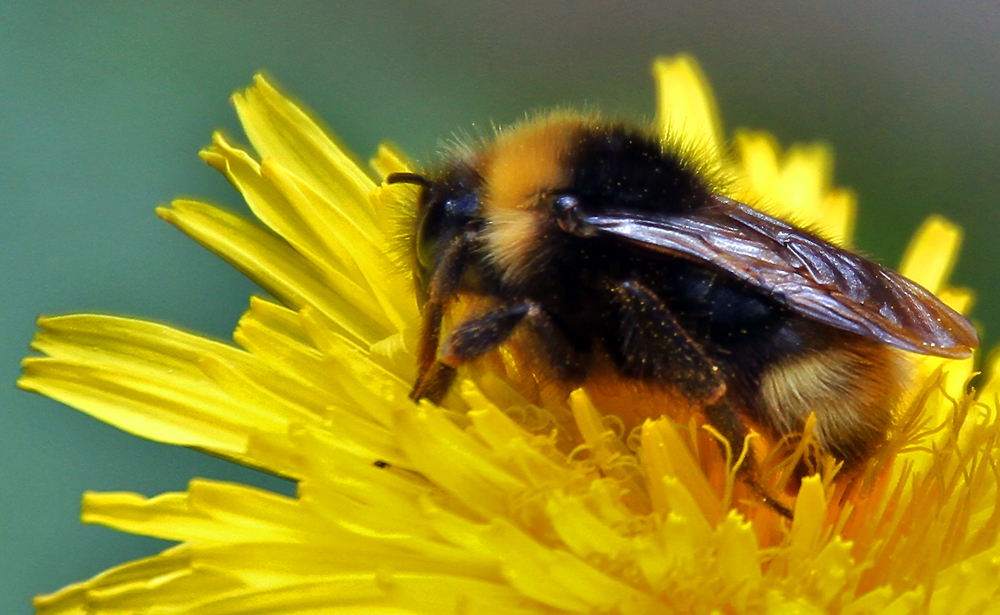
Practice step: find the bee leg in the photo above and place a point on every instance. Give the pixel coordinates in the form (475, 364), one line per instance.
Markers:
(565, 357)
(650, 345)
(467, 341)
(434, 383)
(447, 276)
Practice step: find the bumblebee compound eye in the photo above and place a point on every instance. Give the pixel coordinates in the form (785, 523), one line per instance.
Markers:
(429, 233)
(428, 216)
(447, 209)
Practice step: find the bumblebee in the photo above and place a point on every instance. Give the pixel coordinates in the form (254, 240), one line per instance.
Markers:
(614, 250)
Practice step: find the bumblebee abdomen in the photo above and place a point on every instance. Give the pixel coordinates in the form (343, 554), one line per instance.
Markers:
(850, 383)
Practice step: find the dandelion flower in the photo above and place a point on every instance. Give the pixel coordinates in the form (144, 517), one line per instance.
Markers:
(484, 504)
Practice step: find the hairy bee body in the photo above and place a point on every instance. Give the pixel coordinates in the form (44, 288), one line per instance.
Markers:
(609, 245)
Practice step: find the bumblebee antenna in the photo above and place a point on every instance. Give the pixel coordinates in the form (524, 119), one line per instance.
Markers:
(408, 178)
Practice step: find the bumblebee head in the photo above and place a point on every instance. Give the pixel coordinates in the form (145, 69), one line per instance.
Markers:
(447, 208)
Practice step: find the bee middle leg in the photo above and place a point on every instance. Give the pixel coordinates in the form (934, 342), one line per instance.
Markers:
(473, 338)
(648, 344)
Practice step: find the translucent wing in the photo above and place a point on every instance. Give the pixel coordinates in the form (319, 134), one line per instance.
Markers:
(811, 276)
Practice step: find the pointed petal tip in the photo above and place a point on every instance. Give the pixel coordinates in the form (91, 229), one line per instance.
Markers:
(262, 81)
(681, 63)
(932, 253)
(165, 212)
(686, 108)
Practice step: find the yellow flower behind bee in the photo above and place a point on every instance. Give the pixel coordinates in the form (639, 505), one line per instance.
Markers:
(483, 506)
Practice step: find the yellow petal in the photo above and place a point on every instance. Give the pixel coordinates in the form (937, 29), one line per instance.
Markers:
(739, 565)
(665, 453)
(932, 253)
(557, 579)
(112, 368)
(208, 513)
(686, 108)
(279, 269)
(810, 512)
(280, 129)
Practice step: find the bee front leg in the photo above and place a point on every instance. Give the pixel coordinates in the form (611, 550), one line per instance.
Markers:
(467, 341)
(447, 276)
(474, 338)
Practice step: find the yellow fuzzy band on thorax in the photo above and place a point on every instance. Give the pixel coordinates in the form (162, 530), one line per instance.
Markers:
(527, 163)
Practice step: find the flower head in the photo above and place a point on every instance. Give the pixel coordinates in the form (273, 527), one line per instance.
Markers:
(501, 501)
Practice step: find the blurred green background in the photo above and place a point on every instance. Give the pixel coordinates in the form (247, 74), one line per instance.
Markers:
(103, 107)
